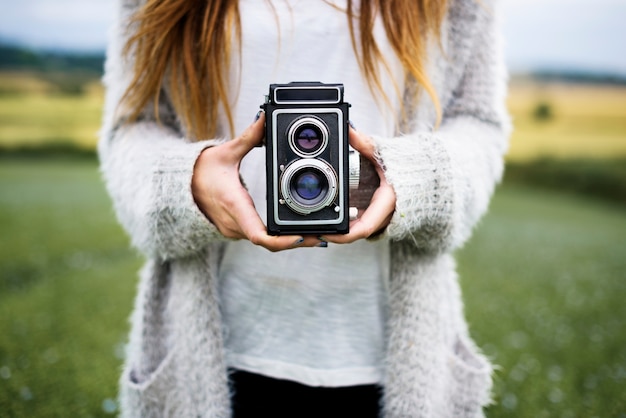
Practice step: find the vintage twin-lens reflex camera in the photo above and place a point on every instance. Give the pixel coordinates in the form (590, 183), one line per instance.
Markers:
(308, 175)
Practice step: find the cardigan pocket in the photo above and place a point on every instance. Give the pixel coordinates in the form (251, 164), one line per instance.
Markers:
(150, 395)
(469, 381)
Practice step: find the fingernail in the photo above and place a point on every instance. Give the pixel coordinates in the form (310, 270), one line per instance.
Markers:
(298, 242)
(351, 125)
(322, 244)
(258, 115)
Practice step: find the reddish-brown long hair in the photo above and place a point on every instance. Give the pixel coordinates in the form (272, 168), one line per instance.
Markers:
(189, 43)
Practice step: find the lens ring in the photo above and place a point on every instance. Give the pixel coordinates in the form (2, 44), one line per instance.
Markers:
(308, 136)
(308, 185)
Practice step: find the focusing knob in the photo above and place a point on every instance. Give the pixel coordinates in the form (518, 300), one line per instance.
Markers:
(354, 164)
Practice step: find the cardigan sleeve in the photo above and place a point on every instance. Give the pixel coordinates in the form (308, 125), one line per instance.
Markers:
(444, 179)
(148, 166)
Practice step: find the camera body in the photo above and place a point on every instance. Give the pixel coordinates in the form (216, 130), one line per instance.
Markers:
(306, 134)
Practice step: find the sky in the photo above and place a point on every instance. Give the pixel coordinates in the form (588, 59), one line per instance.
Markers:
(539, 34)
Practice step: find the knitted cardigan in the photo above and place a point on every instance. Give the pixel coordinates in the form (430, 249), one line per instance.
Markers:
(443, 179)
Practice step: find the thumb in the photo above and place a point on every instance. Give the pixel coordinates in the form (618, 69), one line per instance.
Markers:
(250, 138)
(362, 143)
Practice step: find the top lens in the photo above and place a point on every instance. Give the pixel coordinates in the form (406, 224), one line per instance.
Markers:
(308, 136)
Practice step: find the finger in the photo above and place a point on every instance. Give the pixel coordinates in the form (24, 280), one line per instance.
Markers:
(383, 205)
(284, 242)
(253, 229)
(238, 219)
(376, 217)
(250, 138)
(362, 143)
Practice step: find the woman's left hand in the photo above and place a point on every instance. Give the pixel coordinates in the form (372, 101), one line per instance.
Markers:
(378, 214)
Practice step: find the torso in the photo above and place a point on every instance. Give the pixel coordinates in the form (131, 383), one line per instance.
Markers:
(311, 315)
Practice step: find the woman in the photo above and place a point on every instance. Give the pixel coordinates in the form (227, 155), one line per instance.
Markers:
(380, 316)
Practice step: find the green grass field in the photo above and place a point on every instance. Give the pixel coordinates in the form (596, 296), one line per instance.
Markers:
(543, 279)
(544, 285)
(66, 285)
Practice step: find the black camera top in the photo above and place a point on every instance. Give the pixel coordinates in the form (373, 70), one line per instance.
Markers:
(305, 93)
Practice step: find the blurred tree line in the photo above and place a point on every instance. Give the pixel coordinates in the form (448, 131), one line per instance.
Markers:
(574, 76)
(18, 58)
(68, 72)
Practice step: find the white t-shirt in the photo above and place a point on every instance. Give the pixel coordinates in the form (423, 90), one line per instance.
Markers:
(312, 315)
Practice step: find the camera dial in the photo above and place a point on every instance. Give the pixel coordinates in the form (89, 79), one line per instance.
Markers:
(308, 136)
(308, 185)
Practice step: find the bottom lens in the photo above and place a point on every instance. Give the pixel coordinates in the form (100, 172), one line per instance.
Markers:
(308, 185)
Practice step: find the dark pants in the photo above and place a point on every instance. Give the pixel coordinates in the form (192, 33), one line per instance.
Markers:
(260, 396)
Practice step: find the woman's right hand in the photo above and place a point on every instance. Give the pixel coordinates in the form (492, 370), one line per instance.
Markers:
(219, 194)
